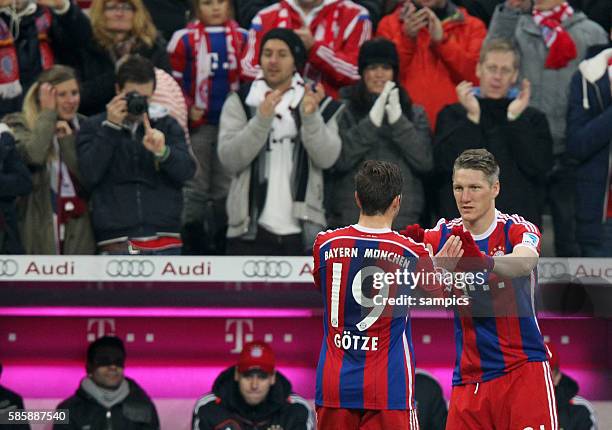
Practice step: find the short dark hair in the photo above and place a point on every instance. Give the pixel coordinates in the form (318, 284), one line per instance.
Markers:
(481, 160)
(104, 342)
(135, 69)
(377, 183)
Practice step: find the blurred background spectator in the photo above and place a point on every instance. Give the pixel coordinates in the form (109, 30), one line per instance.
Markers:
(169, 15)
(205, 59)
(55, 216)
(573, 412)
(276, 137)
(135, 169)
(253, 395)
(496, 116)
(436, 42)
(117, 28)
(589, 128)
(14, 181)
(247, 9)
(481, 9)
(379, 123)
(9, 401)
(331, 57)
(599, 11)
(430, 402)
(552, 39)
(32, 38)
(106, 399)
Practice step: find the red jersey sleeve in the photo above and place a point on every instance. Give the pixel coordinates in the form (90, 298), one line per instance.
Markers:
(524, 233)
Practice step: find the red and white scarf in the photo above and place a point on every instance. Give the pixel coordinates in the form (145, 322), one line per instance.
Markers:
(561, 46)
(64, 186)
(203, 61)
(10, 86)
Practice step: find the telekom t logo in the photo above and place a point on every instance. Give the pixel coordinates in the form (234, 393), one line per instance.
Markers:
(96, 328)
(239, 335)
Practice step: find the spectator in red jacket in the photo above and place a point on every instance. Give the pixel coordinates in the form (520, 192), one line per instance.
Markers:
(332, 32)
(438, 44)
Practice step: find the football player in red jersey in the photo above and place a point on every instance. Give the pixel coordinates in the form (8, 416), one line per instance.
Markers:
(365, 375)
(502, 378)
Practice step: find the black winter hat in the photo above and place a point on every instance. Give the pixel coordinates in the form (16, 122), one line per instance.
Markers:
(378, 51)
(293, 41)
(105, 351)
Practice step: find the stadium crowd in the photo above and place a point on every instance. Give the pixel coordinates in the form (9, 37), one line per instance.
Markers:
(235, 127)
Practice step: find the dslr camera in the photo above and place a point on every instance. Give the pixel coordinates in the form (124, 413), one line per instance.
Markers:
(136, 103)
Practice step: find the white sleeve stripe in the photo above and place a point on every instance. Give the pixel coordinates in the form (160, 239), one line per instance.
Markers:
(327, 55)
(350, 27)
(203, 401)
(578, 400)
(176, 37)
(340, 65)
(366, 34)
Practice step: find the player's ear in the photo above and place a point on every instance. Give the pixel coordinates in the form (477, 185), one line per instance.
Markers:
(496, 188)
(357, 201)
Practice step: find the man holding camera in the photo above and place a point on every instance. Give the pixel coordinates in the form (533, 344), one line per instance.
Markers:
(134, 168)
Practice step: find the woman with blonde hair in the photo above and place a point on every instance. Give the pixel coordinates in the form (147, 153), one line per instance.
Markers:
(116, 28)
(54, 217)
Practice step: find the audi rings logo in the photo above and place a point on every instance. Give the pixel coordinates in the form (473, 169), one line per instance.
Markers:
(266, 269)
(130, 268)
(552, 270)
(8, 268)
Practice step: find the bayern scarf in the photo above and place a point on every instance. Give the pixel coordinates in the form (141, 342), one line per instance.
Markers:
(561, 47)
(10, 86)
(203, 62)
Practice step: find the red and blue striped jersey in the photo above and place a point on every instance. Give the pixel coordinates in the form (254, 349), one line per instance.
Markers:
(498, 332)
(367, 358)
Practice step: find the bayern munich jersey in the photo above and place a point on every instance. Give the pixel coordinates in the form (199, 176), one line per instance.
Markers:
(498, 332)
(367, 357)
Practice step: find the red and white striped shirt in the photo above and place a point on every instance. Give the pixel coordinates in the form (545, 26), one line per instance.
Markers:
(339, 28)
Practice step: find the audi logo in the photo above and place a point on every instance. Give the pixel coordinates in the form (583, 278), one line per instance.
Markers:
(552, 270)
(130, 268)
(8, 267)
(266, 269)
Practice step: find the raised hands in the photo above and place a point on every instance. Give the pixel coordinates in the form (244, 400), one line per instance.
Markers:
(46, 96)
(519, 104)
(414, 20)
(62, 129)
(312, 99)
(377, 112)
(266, 108)
(434, 25)
(473, 259)
(116, 109)
(154, 140)
(469, 101)
(414, 232)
